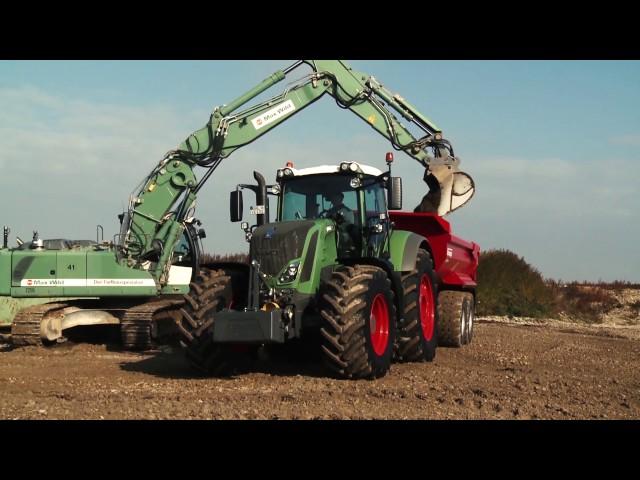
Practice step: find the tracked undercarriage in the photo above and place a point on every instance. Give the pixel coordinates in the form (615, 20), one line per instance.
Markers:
(141, 323)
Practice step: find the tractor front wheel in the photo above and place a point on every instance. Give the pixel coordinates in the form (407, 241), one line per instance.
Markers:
(209, 293)
(359, 322)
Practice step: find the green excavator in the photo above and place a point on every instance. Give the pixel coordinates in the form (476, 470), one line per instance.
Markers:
(143, 280)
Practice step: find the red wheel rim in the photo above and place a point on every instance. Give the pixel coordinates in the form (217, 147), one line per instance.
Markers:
(425, 303)
(379, 324)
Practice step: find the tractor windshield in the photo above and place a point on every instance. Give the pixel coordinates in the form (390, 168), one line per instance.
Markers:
(319, 196)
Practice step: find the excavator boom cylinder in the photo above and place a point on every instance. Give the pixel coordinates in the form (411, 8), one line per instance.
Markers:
(266, 84)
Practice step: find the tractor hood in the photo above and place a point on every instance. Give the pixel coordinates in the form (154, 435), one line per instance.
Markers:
(273, 245)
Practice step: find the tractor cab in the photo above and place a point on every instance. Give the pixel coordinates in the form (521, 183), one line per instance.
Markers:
(352, 196)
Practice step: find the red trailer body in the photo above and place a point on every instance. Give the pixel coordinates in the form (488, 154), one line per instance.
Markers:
(455, 259)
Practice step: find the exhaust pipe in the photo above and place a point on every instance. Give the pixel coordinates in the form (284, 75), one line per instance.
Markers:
(261, 198)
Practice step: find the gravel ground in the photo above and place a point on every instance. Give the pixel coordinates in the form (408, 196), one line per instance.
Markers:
(512, 370)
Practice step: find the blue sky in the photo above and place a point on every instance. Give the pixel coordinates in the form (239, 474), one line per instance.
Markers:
(554, 148)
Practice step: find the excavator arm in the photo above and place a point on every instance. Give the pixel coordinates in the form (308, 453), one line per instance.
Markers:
(162, 204)
(363, 95)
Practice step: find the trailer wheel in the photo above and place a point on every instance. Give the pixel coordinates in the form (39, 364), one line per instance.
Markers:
(470, 311)
(418, 335)
(209, 293)
(453, 316)
(359, 322)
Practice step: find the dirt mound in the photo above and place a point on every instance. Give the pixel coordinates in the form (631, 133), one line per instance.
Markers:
(628, 313)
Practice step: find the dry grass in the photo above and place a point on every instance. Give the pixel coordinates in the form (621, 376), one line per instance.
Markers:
(615, 285)
(635, 306)
(588, 302)
(229, 257)
(508, 285)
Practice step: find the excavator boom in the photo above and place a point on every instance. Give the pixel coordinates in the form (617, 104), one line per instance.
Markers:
(157, 212)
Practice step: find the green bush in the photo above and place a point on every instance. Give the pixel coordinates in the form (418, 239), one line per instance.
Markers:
(508, 285)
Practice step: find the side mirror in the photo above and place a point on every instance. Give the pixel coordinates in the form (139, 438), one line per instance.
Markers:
(394, 199)
(235, 205)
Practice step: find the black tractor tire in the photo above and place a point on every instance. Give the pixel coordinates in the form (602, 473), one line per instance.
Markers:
(452, 318)
(355, 300)
(209, 293)
(470, 311)
(418, 341)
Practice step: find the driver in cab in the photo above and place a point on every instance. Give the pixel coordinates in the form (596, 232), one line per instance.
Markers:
(339, 211)
(345, 220)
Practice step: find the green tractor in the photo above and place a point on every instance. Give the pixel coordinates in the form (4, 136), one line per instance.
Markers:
(334, 267)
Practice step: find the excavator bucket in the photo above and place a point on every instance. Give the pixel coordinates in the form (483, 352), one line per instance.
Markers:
(448, 190)
(456, 189)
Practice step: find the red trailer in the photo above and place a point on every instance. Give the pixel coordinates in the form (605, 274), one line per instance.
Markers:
(456, 265)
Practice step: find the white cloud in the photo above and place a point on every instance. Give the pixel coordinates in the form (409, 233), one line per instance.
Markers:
(79, 135)
(75, 160)
(27, 96)
(557, 186)
(632, 139)
(571, 220)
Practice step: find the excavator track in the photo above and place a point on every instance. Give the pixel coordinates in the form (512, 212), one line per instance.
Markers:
(25, 330)
(135, 326)
(137, 323)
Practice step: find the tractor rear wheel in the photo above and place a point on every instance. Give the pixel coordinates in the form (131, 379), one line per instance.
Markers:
(209, 293)
(418, 334)
(359, 322)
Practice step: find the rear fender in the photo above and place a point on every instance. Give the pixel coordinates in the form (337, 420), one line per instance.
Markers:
(404, 248)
